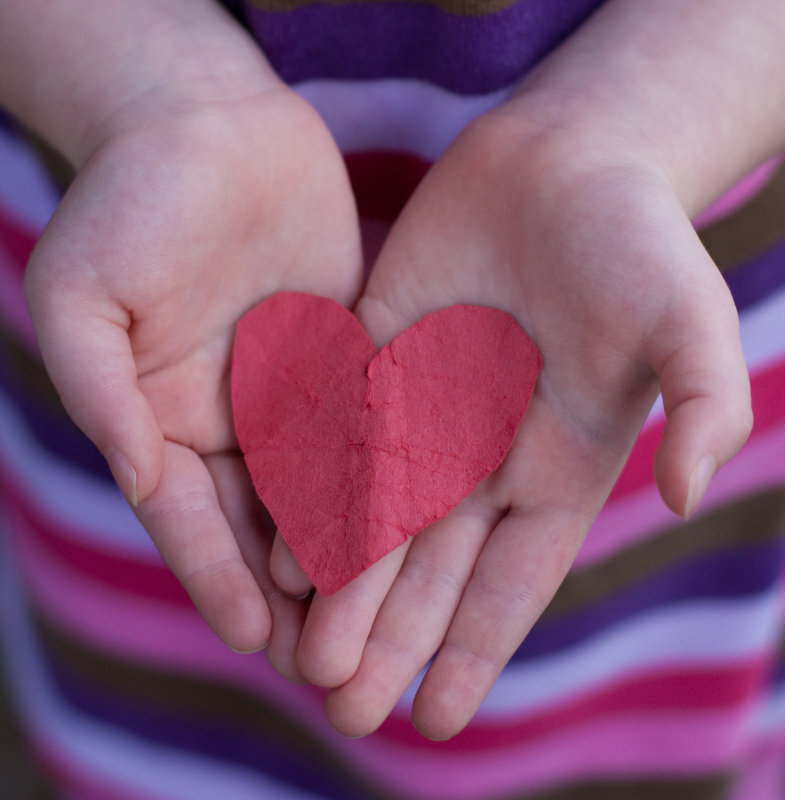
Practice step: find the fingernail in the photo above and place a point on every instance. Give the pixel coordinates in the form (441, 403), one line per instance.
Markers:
(699, 482)
(124, 474)
(249, 652)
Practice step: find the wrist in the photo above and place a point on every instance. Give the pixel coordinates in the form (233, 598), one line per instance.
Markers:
(696, 92)
(78, 84)
(550, 149)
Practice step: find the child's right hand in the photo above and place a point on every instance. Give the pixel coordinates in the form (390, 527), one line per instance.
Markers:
(190, 205)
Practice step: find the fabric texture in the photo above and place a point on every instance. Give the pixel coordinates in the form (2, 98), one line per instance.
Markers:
(657, 671)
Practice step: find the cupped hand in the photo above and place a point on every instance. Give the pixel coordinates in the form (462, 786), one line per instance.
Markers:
(183, 218)
(588, 247)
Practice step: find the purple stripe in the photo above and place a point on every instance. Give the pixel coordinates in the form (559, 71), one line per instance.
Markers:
(759, 277)
(719, 576)
(51, 428)
(463, 54)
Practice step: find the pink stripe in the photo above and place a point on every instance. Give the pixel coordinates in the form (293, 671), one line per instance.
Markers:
(764, 777)
(623, 745)
(623, 522)
(139, 626)
(739, 194)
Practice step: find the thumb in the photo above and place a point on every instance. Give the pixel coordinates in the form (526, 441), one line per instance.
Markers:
(83, 335)
(399, 290)
(706, 395)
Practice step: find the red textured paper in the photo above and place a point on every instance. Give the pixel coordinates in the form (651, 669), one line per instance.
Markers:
(353, 449)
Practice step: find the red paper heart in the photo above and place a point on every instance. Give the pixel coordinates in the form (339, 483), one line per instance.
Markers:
(353, 449)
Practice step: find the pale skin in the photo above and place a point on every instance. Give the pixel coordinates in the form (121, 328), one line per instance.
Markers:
(203, 186)
(568, 207)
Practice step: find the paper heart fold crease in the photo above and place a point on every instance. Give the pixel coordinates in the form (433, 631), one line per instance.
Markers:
(353, 449)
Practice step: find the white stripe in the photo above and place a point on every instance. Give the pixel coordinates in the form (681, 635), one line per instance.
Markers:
(25, 187)
(104, 751)
(770, 720)
(762, 329)
(400, 115)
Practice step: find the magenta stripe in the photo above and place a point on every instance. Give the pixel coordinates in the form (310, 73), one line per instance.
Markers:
(13, 306)
(630, 519)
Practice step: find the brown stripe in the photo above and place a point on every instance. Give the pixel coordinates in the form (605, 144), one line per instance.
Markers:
(464, 8)
(58, 168)
(21, 778)
(751, 229)
(28, 373)
(752, 520)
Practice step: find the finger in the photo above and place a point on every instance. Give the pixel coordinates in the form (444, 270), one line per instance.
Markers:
(286, 572)
(706, 395)
(84, 343)
(554, 481)
(251, 526)
(289, 617)
(254, 532)
(184, 518)
(338, 625)
(414, 618)
(288, 599)
(516, 575)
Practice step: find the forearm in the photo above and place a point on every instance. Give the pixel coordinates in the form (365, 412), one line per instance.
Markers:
(699, 87)
(70, 71)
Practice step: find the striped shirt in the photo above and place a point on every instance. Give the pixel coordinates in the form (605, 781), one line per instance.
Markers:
(657, 671)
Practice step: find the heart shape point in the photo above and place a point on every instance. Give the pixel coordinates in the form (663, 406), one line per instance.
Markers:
(354, 449)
